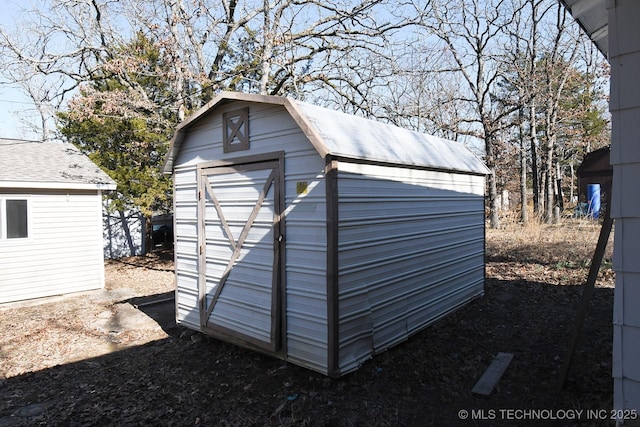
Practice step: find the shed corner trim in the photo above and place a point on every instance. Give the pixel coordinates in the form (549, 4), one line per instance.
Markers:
(333, 312)
(307, 128)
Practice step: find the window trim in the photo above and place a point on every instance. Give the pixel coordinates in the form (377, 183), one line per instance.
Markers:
(235, 130)
(3, 217)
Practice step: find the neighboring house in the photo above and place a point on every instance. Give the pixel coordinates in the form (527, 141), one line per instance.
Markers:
(50, 220)
(317, 236)
(123, 232)
(613, 27)
(595, 170)
(126, 233)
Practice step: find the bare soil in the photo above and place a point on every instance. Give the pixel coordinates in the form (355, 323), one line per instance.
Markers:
(96, 359)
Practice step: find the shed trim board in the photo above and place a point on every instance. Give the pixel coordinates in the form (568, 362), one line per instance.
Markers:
(375, 250)
(356, 161)
(333, 309)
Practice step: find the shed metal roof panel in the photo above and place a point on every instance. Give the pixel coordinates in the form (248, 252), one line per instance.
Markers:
(34, 164)
(343, 135)
(356, 137)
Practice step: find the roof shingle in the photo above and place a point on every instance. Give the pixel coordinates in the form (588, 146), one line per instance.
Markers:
(48, 164)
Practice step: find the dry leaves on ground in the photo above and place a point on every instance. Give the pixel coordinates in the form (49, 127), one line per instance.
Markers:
(53, 331)
(176, 378)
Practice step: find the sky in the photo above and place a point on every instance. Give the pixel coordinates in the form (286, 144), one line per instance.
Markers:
(14, 104)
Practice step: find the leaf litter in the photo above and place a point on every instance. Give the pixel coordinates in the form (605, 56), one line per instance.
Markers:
(57, 368)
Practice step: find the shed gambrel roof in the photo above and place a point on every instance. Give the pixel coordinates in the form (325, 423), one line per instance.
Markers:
(343, 135)
(35, 164)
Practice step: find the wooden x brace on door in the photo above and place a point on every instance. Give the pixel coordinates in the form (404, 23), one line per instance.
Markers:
(236, 245)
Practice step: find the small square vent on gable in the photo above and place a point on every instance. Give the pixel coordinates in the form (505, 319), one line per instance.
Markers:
(236, 130)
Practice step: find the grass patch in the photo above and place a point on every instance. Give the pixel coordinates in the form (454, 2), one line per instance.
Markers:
(555, 254)
(567, 245)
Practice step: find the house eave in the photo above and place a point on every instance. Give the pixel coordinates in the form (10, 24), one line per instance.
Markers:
(592, 16)
(57, 185)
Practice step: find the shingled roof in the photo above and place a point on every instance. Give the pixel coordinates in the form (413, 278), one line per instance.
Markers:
(34, 164)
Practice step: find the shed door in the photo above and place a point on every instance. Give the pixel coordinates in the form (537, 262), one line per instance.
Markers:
(240, 256)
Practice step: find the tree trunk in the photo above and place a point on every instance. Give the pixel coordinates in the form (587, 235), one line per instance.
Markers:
(267, 50)
(559, 196)
(524, 214)
(571, 197)
(549, 182)
(124, 223)
(535, 173)
(148, 235)
(494, 219)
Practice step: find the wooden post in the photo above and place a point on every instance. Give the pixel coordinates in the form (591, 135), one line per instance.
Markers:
(605, 231)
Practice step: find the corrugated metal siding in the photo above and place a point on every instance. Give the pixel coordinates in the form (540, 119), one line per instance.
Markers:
(271, 130)
(186, 246)
(411, 248)
(63, 253)
(306, 248)
(244, 304)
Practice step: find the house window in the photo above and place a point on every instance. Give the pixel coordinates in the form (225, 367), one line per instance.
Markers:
(235, 125)
(14, 214)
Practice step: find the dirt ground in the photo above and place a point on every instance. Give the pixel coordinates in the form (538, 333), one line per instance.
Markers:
(97, 359)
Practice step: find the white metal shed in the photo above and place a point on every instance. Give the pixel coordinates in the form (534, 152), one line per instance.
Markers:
(50, 220)
(316, 236)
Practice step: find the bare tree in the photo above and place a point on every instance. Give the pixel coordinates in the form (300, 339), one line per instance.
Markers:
(201, 39)
(285, 47)
(555, 67)
(470, 31)
(417, 96)
(552, 87)
(333, 51)
(53, 48)
(522, 77)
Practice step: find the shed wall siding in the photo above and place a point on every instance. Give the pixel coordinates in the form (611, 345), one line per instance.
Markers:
(271, 130)
(411, 249)
(63, 253)
(185, 229)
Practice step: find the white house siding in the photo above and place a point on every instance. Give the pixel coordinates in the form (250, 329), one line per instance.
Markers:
(624, 57)
(271, 131)
(122, 233)
(63, 252)
(411, 249)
